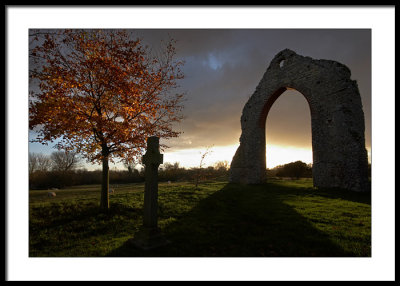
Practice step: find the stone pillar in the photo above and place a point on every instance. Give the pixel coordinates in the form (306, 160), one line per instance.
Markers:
(149, 236)
(152, 159)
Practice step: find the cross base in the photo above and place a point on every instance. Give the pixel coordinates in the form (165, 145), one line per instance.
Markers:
(148, 238)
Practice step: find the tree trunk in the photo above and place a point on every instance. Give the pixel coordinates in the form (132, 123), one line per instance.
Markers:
(105, 197)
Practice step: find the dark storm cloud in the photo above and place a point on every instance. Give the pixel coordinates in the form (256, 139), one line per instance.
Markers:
(223, 68)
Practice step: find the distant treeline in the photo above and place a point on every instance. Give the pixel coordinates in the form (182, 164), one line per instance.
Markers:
(296, 170)
(167, 172)
(53, 178)
(60, 171)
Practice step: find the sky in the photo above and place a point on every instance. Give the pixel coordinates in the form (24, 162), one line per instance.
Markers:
(350, 47)
(222, 69)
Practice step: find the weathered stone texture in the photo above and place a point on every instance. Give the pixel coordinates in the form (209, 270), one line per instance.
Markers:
(152, 159)
(337, 122)
(149, 236)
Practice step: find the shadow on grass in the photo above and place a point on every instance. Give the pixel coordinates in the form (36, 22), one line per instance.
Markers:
(254, 222)
(331, 193)
(358, 197)
(56, 229)
(67, 213)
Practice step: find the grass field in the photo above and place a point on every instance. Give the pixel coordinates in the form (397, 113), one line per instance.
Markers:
(282, 218)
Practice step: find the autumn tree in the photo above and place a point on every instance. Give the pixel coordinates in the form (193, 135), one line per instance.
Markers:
(101, 93)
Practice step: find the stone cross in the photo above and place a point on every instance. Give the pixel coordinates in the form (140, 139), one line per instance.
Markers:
(152, 159)
(149, 236)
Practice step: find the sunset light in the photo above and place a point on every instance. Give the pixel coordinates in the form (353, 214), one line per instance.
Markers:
(276, 155)
(186, 133)
(280, 155)
(191, 157)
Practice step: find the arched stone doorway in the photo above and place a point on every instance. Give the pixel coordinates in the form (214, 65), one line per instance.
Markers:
(337, 122)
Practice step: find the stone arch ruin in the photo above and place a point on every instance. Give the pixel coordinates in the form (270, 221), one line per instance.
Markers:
(337, 122)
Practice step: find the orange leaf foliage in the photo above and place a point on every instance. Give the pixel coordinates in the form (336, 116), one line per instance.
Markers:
(102, 93)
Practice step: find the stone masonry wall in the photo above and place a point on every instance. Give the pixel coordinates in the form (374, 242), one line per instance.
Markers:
(337, 122)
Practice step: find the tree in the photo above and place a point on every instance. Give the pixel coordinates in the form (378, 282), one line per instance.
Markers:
(170, 171)
(221, 168)
(202, 157)
(39, 162)
(64, 161)
(171, 166)
(102, 93)
(222, 165)
(130, 166)
(295, 170)
(32, 163)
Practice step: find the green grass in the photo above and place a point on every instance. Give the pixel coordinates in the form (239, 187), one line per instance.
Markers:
(281, 218)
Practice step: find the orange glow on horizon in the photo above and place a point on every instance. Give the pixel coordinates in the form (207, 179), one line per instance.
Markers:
(275, 155)
(281, 155)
